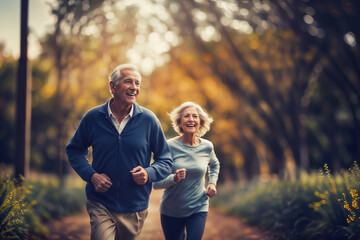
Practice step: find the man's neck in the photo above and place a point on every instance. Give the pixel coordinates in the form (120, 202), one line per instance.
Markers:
(119, 109)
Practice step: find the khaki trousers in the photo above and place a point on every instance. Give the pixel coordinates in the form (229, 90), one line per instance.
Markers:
(110, 225)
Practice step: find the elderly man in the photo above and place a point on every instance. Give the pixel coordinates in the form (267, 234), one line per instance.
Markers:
(123, 136)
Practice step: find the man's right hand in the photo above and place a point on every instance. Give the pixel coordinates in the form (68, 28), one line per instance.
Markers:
(101, 182)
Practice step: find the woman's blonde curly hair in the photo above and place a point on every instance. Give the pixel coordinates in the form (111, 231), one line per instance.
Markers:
(205, 119)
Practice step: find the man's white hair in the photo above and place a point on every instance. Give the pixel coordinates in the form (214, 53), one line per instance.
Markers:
(116, 74)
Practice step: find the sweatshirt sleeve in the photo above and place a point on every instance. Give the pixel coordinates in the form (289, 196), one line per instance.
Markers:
(214, 167)
(165, 183)
(77, 151)
(162, 165)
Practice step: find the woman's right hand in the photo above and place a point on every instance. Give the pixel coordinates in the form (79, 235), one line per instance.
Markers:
(180, 174)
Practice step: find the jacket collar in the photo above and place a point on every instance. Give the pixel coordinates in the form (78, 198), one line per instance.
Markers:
(136, 109)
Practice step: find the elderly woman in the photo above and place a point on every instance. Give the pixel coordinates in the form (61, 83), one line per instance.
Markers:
(185, 201)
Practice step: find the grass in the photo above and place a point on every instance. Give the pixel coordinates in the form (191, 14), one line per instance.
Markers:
(317, 206)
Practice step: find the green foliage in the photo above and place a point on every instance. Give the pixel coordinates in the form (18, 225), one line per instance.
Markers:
(17, 220)
(317, 206)
(55, 202)
(339, 204)
(7, 113)
(26, 206)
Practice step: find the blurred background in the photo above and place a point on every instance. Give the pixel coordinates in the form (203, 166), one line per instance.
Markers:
(280, 78)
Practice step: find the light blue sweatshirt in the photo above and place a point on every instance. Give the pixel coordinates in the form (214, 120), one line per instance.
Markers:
(188, 196)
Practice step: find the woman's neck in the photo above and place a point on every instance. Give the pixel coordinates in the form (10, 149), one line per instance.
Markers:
(190, 139)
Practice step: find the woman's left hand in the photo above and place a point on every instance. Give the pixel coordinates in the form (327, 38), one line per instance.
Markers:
(211, 190)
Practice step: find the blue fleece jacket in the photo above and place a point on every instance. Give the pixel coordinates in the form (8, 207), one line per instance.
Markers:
(116, 155)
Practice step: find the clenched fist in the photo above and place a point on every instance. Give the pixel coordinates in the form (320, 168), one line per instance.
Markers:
(140, 175)
(101, 182)
(211, 190)
(180, 174)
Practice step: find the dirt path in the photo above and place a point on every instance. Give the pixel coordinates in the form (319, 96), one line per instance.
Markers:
(218, 226)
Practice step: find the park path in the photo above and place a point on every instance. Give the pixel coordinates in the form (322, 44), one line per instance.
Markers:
(218, 226)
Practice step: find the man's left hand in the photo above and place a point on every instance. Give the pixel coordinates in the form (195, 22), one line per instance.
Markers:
(140, 175)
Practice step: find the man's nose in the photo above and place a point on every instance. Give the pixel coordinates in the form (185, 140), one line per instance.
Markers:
(133, 85)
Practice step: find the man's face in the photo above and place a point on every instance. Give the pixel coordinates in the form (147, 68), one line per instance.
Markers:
(128, 87)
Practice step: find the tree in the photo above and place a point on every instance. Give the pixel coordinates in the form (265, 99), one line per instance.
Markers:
(274, 92)
(288, 61)
(331, 29)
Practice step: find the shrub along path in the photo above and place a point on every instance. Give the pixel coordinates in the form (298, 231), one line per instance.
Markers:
(218, 226)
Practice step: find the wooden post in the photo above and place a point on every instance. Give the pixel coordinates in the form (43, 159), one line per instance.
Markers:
(23, 100)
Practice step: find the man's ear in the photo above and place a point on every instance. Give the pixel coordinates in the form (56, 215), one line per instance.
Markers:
(112, 86)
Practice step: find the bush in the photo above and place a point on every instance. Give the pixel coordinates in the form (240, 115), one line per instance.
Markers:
(55, 202)
(317, 206)
(338, 204)
(17, 219)
(26, 206)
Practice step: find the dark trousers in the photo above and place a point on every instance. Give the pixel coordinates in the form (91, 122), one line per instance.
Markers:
(174, 228)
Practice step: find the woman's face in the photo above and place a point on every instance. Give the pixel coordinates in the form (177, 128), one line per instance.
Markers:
(190, 121)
